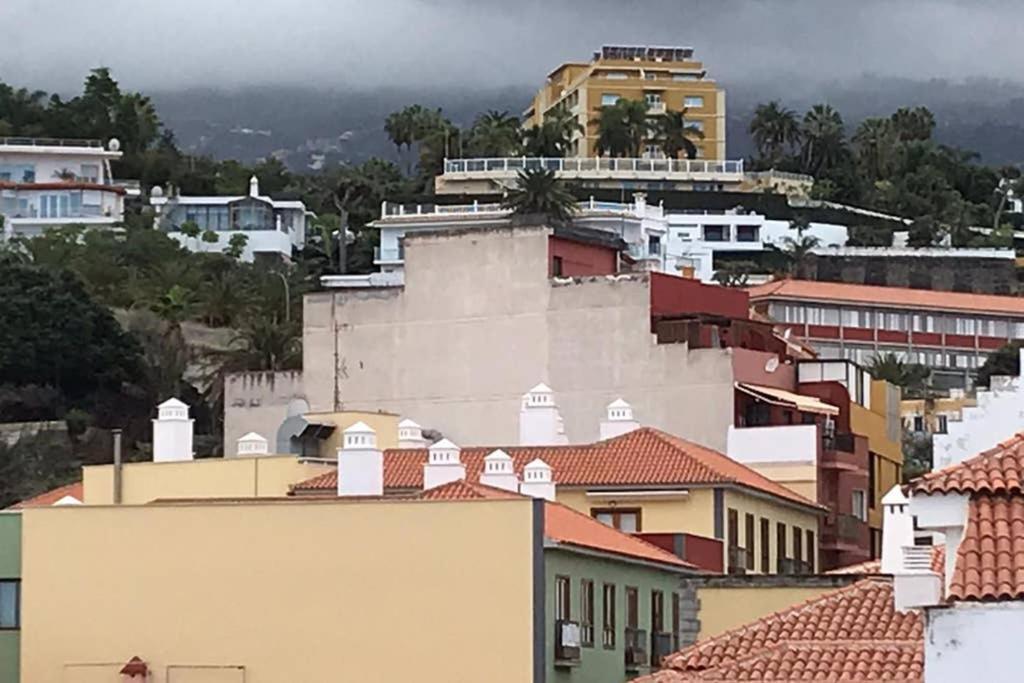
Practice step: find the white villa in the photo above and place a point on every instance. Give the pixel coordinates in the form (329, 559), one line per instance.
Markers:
(271, 226)
(47, 183)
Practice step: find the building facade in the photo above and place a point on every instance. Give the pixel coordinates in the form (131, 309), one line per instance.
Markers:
(46, 183)
(949, 332)
(10, 595)
(270, 226)
(665, 78)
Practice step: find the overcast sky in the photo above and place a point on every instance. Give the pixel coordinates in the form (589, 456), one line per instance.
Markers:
(158, 44)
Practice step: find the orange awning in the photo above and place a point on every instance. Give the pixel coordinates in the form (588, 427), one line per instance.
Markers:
(781, 397)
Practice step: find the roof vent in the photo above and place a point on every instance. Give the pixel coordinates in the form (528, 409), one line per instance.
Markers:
(540, 423)
(360, 463)
(618, 420)
(538, 481)
(410, 435)
(443, 465)
(915, 584)
(499, 472)
(252, 444)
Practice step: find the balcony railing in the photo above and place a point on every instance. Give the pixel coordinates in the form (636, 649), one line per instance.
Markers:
(636, 647)
(838, 442)
(596, 165)
(50, 142)
(567, 641)
(662, 645)
(655, 107)
(791, 566)
(382, 254)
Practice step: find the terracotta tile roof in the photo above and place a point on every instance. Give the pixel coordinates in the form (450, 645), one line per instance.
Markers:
(849, 634)
(999, 470)
(566, 526)
(52, 496)
(875, 566)
(990, 559)
(900, 297)
(645, 457)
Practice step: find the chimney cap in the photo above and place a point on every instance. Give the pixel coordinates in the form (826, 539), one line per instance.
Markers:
(537, 464)
(618, 403)
(252, 437)
(541, 389)
(408, 423)
(360, 428)
(173, 403)
(895, 496)
(497, 454)
(443, 444)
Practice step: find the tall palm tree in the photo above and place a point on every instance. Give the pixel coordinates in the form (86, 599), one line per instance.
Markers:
(675, 135)
(913, 124)
(875, 142)
(622, 128)
(774, 130)
(822, 134)
(554, 137)
(799, 249)
(911, 377)
(494, 134)
(539, 192)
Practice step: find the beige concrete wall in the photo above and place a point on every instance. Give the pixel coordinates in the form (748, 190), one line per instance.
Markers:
(694, 514)
(385, 424)
(774, 512)
(258, 402)
(284, 591)
(142, 482)
(478, 324)
(799, 477)
(722, 609)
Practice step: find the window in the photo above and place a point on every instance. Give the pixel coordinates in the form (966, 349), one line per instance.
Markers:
(563, 595)
(810, 551)
(918, 424)
(90, 173)
(657, 621)
(615, 75)
(623, 519)
(694, 102)
(685, 77)
(765, 549)
(798, 547)
(10, 604)
(781, 555)
(653, 99)
(872, 478)
(587, 613)
(696, 125)
(608, 625)
(749, 539)
(859, 504)
(608, 99)
(654, 245)
(632, 608)
(940, 424)
(747, 233)
(556, 266)
(716, 233)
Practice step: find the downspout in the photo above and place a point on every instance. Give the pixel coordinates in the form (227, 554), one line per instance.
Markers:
(117, 466)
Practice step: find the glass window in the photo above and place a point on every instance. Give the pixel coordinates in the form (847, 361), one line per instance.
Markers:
(90, 173)
(859, 504)
(563, 597)
(750, 538)
(694, 101)
(747, 233)
(632, 608)
(608, 99)
(652, 98)
(798, 547)
(765, 549)
(624, 519)
(781, 548)
(608, 625)
(810, 551)
(10, 607)
(587, 612)
(716, 233)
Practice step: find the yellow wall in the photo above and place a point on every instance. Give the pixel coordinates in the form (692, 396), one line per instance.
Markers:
(385, 424)
(875, 425)
(745, 503)
(802, 478)
(723, 608)
(142, 482)
(287, 591)
(694, 513)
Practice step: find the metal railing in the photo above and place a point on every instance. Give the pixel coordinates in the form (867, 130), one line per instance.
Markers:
(50, 142)
(636, 647)
(662, 645)
(781, 175)
(582, 165)
(567, 641)
(393, 210)
(737, 560)
(844, 442)
(848, 527)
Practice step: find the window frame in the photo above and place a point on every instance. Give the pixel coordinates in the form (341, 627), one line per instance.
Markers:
(811, 555)
(616, 513)
(781, 551)
(608, 616)
(563, 598)
(17, 605)
(766, 550)
(632, 607)
(587, 612)
(750, 539)
(859, 511)
(798, 544)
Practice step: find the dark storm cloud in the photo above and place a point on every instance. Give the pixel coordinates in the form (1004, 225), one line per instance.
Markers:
(336, 43)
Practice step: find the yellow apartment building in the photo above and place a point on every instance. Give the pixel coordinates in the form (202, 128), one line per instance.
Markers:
(667, 78)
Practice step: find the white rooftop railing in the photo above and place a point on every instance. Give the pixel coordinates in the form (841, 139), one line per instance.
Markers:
(596, 165)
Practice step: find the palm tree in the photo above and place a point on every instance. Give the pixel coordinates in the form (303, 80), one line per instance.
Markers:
(822, 134)
(913, 124)
(774, 130)
(264, 343)
(674, 134)
(494, 134)
(876, 142)
(539, 192)
(554, 136)
(799, 249)
(911, 377)
(622, 128)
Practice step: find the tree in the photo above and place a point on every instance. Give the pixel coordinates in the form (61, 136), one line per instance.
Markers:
(735, 273)
(775, 131)
(917, 456)
(265, 343)
(622, 128)
(876, 143)
(799, 249)
(494, 134)
(34, 464)
(554, 137)
(675, 135)
(1004, 361)
(209, 237)
(911, 377)
(821, 134)
(913, 124)
(236, 246)
(539, 192)
(924, 232)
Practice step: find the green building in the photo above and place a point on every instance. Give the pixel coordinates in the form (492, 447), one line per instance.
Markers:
(10, 593)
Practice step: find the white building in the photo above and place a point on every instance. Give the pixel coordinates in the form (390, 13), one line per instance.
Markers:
(48, 183)
(271, 226)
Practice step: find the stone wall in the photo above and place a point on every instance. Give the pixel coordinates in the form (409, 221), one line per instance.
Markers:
(978, 275)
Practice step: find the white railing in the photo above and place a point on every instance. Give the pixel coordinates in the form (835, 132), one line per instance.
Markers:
(393, 210)
(50, 142)
(596, 165)
(782, 175)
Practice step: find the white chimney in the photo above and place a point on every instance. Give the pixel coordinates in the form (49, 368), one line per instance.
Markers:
(618, 421)
(540, 423)
(915, 585)
(254, 187)
(360, 463)
(252, 444)
(410, 435)
(499, 472)
(172, 432)
(537, 481)
(443, 465)
(897, 529)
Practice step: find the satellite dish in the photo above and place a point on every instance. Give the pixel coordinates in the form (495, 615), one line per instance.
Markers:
(114, 145)
(772, 365)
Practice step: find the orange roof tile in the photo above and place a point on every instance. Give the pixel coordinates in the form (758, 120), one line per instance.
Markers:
(566, 526)
(990, 559)
(901, 297)
(52, 496)
(644, 457)
(849, 634)
(999, 470)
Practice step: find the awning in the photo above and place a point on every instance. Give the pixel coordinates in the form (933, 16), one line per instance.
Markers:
(781, 397)
(316, 430)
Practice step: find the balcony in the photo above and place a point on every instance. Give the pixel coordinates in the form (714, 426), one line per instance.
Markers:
(567, 642)
(656, 108)
(791, 566)
(49, 142)
(662, 645)
(636, 648)
(844, 532)
(596, 168)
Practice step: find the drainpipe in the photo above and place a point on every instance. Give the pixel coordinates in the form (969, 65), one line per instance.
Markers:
(117, 466)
